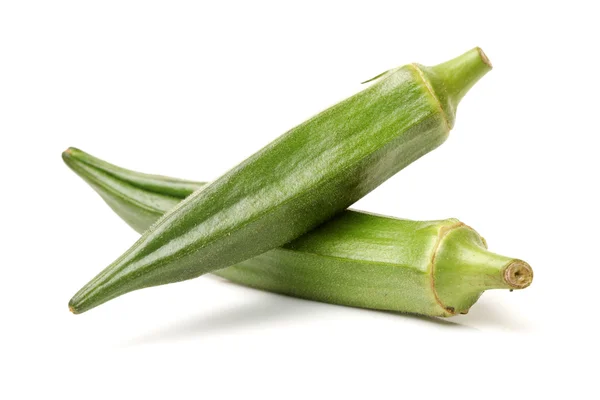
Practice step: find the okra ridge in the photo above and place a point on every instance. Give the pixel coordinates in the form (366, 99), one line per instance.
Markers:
(72, 163)
(437, 101)
(444, 230)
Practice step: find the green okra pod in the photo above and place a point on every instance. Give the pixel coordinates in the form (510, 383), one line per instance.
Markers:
(435, 268)
(300, 180)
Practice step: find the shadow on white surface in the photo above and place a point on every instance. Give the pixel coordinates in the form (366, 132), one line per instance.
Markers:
(237, 317)
(491, 315)
(442, 322)
(267, 309)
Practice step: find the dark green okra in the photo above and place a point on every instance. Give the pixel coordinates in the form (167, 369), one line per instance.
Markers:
(300, 180)
(436, 268)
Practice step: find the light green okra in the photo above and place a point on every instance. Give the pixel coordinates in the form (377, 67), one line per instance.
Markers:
(435, 268)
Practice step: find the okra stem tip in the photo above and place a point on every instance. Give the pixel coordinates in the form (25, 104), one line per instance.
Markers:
(484, 58)
(518, 274)
(452, 79)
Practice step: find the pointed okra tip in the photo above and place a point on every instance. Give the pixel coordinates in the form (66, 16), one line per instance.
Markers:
(77, 309)
(67, 153)
(99, 290)
(79, 305)
(70, 153)
(82, 301)
(73, 308)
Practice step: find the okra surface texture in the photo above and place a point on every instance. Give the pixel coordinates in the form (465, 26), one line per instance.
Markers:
(435, 268)
(300, 180)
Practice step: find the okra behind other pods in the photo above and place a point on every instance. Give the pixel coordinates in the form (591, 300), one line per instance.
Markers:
(435, 268)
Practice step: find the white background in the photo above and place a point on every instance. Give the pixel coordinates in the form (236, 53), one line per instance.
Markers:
(189, 89)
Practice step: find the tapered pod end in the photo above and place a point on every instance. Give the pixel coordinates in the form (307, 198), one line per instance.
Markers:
(70, 152)
(464, 269)
(450, 81)
(102, 288)
(76, 305)
(87, 298)
(71, 155)
(66, 155)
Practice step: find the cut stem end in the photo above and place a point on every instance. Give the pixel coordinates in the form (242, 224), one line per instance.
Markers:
(518, 274)
(484, 58)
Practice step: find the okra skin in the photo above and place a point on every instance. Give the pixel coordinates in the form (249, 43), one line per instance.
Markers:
(435, 268)
(137, 204)
(292, 185)
(354, 259)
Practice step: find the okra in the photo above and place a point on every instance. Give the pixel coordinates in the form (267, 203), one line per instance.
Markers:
(435, 268)
(302, 179)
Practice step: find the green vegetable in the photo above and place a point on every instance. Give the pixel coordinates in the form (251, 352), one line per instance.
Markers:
(436, 268)
(300, 180)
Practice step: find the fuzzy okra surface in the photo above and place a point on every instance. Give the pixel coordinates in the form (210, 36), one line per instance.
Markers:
(435, 268)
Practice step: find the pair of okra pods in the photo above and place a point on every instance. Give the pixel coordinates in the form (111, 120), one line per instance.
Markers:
(279, 220)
